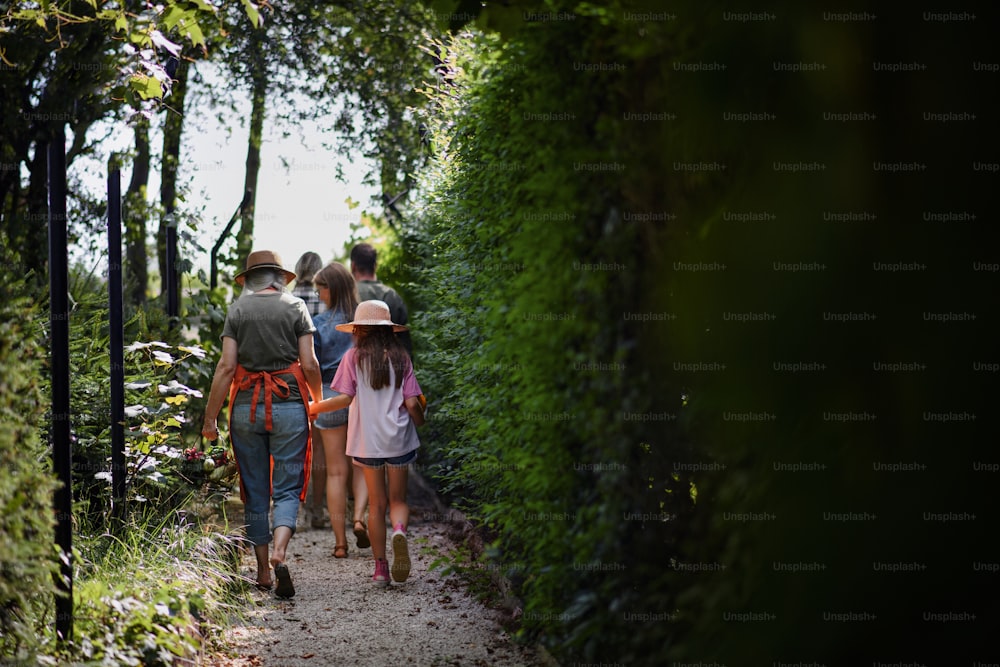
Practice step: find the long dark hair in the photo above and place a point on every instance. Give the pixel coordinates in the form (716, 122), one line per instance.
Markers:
(343, 289)
(378, 347)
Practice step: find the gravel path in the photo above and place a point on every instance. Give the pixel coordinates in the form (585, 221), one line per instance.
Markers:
(338, 617)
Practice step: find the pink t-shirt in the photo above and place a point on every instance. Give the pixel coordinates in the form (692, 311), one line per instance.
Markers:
(378, 425)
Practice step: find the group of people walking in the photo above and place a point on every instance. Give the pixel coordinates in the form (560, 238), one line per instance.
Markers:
(320, 382)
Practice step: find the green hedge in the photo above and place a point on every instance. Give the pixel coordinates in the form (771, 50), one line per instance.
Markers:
(596, 223)
(27, 523)
(532, 340)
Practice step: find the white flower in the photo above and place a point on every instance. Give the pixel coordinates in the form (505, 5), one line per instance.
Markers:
(163, 356)
(174, 387)
(195, 350)
(169, 452)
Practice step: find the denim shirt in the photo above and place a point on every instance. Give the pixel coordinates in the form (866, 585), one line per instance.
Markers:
(330, 344)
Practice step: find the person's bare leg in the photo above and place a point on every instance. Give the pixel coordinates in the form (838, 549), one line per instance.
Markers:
(375, 480)
(337, 468)
(282, 536)
(263, 567)
(317, 478)
(399, 514)
(285, 588)
(360, 494)
(399, 511)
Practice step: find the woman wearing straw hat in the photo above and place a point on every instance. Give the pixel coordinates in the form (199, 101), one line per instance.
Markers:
(375, 378)
(269, 370)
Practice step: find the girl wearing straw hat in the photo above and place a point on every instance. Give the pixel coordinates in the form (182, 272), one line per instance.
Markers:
(375, 378)
(268, 369)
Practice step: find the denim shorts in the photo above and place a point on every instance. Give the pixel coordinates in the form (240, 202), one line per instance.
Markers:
(392, 461)
(331, 419)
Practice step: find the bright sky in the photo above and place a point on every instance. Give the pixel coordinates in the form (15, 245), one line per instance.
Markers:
(300, 204)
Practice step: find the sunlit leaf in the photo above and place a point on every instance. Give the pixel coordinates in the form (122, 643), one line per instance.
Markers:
(173, 16)
(252, 12)
(146, 86)
(192, 30)
(205, 6)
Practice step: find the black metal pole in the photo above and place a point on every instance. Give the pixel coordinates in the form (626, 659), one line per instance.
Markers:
(173, 284)
(117, 343)
(62, 454)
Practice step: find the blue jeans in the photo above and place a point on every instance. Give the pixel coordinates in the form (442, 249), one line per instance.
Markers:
(254, 447)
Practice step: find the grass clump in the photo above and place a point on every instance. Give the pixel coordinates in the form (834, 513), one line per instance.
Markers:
(159, 590)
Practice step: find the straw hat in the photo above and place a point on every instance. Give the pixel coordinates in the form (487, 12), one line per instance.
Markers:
(263, 259)
(371, 313)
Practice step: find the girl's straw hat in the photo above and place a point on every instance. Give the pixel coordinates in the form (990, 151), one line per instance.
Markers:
(263, 259)
(372, 313)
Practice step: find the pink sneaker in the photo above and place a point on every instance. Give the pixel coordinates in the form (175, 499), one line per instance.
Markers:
(381, 576)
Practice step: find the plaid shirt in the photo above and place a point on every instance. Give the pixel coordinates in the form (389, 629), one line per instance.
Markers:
(307, 293)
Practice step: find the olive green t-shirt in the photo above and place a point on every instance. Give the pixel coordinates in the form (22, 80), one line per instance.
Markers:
(267, 326)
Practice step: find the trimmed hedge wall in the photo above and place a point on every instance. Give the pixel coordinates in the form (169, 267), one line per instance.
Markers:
(27, 523)
(627, 256)
(549, 419)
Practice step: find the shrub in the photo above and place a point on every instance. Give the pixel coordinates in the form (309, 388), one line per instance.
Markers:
(620, 401)
(529, 272)
(27, 561)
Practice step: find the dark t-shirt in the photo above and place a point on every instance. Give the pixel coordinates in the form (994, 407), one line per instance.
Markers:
(266, 327)
(374, 289)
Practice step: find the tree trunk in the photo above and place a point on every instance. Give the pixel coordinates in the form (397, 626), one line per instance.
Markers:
(244, 241)
(136, 209)
(173, 126)
(32, 237)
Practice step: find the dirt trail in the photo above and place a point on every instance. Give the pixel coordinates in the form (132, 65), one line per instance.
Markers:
(338, 617)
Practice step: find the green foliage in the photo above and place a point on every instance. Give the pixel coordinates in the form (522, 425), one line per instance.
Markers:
(161, 588)
(27, 561)
(157, 593)
(160, 392)
(528, 272)
(579, 416)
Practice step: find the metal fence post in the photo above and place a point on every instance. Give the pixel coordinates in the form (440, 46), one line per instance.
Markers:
(62, 454)
(117, 343)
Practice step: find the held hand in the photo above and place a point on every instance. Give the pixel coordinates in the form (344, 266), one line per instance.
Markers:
(210, 430)
(313, 410)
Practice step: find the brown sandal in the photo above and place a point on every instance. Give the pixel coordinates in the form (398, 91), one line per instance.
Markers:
(361, 534)
(340, 551)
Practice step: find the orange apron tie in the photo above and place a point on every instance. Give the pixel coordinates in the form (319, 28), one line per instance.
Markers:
(244, 380)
